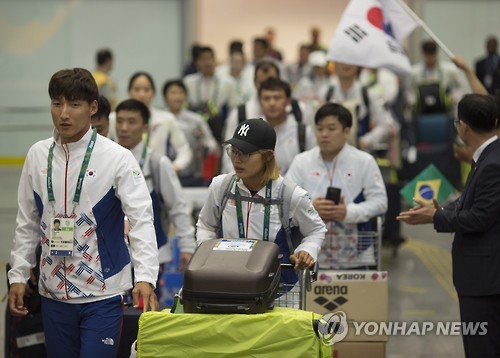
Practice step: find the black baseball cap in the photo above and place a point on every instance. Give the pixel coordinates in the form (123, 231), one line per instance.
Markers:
(253, 135)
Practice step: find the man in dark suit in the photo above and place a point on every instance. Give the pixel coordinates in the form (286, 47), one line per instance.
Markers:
(475, 219)
(488, 68)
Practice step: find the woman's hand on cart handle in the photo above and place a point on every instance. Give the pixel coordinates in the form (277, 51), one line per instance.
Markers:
(302, 260)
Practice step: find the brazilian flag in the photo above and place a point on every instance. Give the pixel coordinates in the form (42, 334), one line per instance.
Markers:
(429, 184)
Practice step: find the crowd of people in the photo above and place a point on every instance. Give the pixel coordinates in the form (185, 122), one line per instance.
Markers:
(396, 118)
(247, 129)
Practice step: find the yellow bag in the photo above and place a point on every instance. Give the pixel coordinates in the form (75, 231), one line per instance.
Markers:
(284, 331)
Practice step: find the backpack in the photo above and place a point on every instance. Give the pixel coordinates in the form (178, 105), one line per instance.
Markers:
(431, 98)
(297, 112)
(214, 117)
(431, 95)
(363, 122)
(284, 203)
(24, 336)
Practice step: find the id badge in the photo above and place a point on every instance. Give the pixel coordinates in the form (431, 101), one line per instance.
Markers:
(61, 236)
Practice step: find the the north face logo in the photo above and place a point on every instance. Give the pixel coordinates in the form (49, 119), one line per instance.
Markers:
(330, 305)
(243, 130)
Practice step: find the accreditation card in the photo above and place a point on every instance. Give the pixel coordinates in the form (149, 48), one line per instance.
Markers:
(61, 236)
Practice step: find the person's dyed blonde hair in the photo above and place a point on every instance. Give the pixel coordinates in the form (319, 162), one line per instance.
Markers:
(271, 170)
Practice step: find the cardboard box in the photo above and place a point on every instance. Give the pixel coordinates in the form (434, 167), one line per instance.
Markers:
(359, 350)
(362, 295)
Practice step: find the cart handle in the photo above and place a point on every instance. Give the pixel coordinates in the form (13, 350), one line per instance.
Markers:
(313, 271)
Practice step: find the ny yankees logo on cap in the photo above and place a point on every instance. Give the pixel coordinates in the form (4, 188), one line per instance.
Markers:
(253, 135)
(244, 130)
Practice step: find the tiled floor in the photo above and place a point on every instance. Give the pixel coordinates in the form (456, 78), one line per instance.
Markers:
(420, 287)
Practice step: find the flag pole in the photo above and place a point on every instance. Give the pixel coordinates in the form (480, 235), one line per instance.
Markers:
(426, 29)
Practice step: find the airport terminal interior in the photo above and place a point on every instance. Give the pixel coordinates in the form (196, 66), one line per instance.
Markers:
(413, 283)
(420, 287)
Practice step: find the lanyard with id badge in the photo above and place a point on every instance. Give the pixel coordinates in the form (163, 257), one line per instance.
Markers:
(267, 211)
(62, 231)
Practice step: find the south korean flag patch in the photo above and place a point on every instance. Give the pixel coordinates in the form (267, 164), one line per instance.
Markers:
(90, 173)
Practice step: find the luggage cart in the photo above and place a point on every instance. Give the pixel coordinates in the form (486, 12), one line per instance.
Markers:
(294, 295)
(360, 249)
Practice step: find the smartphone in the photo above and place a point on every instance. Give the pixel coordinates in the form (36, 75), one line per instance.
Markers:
(333, 194)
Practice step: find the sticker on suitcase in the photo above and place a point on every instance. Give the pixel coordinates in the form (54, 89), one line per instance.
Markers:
(235, 245)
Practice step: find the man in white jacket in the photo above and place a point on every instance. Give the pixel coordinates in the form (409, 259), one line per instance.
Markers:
(335, 163)
(275, 97)
(169, 206)
(87, 182)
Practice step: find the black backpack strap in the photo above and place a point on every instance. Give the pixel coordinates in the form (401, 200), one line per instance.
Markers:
(154, 167)
(366, 102)
(366, 99)
(227, 184)
(154, 162)
(329, 93)
(297, 112)
(242, 113)
(301, 132)
(301, 129)
(286, 193)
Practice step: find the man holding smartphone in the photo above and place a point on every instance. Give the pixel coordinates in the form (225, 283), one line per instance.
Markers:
(346, 187)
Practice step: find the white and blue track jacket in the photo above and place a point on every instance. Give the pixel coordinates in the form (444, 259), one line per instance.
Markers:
(101, 264)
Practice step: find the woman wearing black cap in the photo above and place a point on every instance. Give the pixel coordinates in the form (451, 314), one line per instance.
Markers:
(236, 205)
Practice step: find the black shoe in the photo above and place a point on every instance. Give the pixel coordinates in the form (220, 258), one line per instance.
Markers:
(397, 240)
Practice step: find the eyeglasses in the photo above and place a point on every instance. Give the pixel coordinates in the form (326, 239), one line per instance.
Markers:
(233, 153)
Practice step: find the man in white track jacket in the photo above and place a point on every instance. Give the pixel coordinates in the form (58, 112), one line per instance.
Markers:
(335, 163)
(87, 182)
(169, 205)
